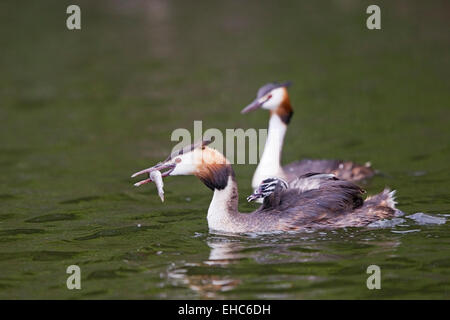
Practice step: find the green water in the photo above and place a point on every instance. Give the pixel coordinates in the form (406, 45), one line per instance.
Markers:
(82, 110)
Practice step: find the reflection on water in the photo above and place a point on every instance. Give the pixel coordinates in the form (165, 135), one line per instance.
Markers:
(278, 261)
(223, 252)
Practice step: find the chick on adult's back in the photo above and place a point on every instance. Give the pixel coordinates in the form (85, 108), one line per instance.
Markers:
(330, 203)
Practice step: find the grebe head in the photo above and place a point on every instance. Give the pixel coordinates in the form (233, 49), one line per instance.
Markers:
(197, 159)
(270, 96)
(267, 187)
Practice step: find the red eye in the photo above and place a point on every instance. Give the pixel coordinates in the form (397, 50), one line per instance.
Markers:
(177, 160)
(268, 97)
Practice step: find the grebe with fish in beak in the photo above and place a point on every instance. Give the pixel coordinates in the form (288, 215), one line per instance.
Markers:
(274, 97)
(330, 203)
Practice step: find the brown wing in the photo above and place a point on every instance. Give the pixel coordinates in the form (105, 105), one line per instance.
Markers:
(332, 198)
(345, 170)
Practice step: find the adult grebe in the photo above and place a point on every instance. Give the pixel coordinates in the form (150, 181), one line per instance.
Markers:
(274, 97)
(332, 203)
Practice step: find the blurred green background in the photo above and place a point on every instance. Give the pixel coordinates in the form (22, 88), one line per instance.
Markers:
(82, 110)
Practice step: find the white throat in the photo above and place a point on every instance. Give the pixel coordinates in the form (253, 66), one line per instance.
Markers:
(222, 207)
(270, 163)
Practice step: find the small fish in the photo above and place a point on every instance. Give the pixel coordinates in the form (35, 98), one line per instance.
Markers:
(157, 178)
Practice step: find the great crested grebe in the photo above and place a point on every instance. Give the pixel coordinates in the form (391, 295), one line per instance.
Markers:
(330, 203)
(274, 97)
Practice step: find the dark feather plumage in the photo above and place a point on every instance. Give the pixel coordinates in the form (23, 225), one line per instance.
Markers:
(345, 170)
(336, 203)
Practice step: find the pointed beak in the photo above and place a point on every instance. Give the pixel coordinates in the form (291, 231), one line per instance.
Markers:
(252, 197)
(158, 167)
(252, 106)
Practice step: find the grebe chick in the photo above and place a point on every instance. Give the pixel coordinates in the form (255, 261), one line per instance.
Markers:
(274, 97)
(335, 203)
(268, 187)
(303, 183)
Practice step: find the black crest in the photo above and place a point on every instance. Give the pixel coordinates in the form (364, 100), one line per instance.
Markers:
(270, 86)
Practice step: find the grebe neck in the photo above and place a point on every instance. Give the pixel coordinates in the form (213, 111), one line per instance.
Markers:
(223, 210)
(270, 163)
